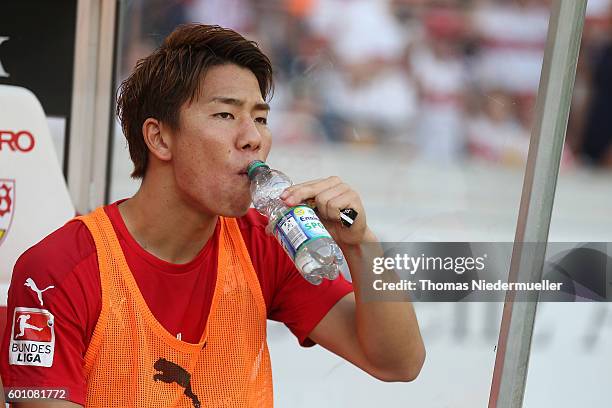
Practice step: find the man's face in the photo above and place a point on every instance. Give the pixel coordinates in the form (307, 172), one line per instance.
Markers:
(219, 134)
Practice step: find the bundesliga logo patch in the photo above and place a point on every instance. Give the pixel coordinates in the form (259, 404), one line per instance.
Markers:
(32, 337)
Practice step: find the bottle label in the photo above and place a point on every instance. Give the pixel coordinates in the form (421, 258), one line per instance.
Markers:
(297, 227)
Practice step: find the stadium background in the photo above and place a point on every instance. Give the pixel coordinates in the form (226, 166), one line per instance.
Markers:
(426, 108)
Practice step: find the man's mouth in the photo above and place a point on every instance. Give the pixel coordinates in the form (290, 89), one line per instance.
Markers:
(244, 170)
(243, 174)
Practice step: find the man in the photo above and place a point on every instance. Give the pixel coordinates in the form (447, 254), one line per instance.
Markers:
(162, 299)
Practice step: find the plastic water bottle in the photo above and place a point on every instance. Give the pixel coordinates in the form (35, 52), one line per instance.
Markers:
(298, 229)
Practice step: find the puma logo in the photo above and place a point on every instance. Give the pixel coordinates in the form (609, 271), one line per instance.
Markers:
(32, 285)
(174, 373)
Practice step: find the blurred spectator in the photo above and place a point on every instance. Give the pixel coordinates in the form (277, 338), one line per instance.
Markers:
(496, 134)
(597, 21)
(234, 14)
(359, 29)
(440, 73)
(512, 38)
(376, 102)
(148, 23)
(597, 143)
(454, 78)
(369, 89)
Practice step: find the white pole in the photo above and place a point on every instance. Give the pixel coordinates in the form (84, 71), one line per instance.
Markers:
(546, 146)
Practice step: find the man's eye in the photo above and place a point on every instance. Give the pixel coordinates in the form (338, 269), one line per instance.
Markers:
(224, 115)
(262, 120)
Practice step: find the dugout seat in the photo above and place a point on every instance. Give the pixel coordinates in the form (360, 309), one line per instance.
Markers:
(34, 199)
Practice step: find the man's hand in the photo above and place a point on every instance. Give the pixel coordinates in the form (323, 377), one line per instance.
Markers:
(331, 195)
(382, 338)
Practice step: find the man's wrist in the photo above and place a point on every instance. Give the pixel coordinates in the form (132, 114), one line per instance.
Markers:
(369, 239)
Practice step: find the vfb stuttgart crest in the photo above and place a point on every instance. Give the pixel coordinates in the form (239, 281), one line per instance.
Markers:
(7, 206)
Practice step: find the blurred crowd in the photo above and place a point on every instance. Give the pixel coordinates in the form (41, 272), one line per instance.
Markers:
(454, 79)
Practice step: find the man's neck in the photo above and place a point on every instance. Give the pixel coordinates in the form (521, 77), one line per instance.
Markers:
(166, 227)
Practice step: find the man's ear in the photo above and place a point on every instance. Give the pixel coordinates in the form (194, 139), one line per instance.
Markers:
(157, 139)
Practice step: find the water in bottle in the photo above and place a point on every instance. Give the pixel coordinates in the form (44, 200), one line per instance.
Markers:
(298, 229)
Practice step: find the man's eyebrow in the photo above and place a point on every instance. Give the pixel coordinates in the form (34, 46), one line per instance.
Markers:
(240, 103)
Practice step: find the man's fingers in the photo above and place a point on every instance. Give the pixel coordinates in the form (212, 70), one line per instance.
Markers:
(299, 193)
(288, 190)
(323, 199)
(327, 201)
(344, 202)
(330, 196)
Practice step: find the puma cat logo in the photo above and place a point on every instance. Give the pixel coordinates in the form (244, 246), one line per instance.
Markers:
(174, 373)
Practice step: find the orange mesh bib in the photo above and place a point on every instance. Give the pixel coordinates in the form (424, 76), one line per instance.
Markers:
(132, 361)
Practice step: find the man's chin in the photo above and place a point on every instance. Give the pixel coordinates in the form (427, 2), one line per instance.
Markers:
(237, 211)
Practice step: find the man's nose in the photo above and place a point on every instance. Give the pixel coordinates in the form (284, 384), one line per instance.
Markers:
(250, 136)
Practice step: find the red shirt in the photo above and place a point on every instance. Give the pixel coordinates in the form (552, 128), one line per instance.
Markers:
(179, 295)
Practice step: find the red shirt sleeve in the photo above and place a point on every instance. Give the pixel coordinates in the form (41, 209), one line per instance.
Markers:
(290, 299)
(57, 276)
(301, 305)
